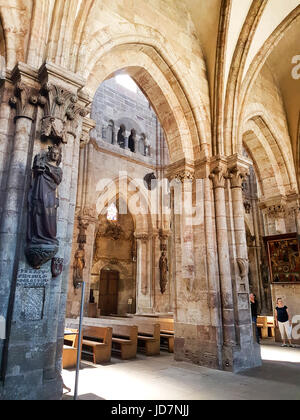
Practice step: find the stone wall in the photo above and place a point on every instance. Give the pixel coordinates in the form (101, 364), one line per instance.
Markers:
(114, 105)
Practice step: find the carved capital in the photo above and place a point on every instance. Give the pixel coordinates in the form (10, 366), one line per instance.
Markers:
(238, 175)
(143, 237)
(276, 211)
(25, 100)
(186, 175)
(218, 176)
(84, 139)
(62, 113)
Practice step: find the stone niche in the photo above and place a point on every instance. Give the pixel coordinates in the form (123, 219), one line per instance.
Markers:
(114, 249)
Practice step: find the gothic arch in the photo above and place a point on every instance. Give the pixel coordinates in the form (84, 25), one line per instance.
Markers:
(258, 62)
(109, 191)
(158, 87)
(275, 176)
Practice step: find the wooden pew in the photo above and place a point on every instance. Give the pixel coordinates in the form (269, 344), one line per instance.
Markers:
(99, 340)
(263, 325)
(125, 339)
(70, 350)
(166, 331)
(149, 337)
(148, 332)
(124, 336)
(271, 326)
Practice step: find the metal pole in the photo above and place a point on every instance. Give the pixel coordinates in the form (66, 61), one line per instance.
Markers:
(79, 341)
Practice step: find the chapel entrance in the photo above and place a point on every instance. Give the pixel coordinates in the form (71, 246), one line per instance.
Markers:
(108, 292)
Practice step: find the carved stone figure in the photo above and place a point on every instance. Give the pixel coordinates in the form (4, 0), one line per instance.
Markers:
(79, 265)
(150, 181)
(132, 141)
(82, 227)
(121, 136)
(114, 231)
(42, 207)
(243, 265)
(57, 267)
(164, 269)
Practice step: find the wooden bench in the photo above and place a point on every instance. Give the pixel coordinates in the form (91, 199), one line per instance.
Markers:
(70, 350)
(149, 337)
(125, 339)
(262, 324)
(124, 336)
(148, 332)
(166, 331)
(99, 340)
(271, 326)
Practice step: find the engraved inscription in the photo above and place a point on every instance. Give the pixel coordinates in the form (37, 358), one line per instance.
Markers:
(33, 278)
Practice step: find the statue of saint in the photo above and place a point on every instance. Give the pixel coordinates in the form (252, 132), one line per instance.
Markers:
(79, 265)
(121, 136)
(163, 268)
(132, 140)
(42, 207)
(147, 147)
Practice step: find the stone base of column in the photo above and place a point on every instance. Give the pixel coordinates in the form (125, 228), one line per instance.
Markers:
(198, 344)
(236, 359)
(32, 387)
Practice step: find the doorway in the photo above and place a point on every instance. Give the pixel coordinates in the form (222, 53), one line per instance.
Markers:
(108, 292)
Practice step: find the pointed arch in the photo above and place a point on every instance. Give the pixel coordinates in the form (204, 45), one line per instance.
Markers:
(271, 159)
(134, 195)
(158, 83)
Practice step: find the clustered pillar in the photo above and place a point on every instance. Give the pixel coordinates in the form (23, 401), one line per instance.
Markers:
(47, 110)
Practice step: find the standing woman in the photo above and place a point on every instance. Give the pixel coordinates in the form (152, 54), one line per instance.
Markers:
(284, 322)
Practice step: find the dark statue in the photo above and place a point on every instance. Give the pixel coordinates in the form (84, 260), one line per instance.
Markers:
(42, 207)
(132, 140)
(163, 268)
(121, 136)
(79, 265)
(150, 181)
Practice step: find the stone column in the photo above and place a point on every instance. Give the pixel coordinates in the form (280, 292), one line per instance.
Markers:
(7, 129)
(238, 173)
(65, 110)
(143, 275)
(239, 350)
(14, 201)
(218, 177)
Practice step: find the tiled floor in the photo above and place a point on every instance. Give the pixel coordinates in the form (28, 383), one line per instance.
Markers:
(161, 378)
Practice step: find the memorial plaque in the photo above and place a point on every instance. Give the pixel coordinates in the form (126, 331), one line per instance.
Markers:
(33, 300)
(30, 294)
(33, 278)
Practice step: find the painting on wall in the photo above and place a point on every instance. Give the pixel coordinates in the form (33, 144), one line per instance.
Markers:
(284, 258)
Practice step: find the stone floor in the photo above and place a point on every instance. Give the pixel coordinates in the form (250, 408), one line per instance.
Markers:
(161, 378)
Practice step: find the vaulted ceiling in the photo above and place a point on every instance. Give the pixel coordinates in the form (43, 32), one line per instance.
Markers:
(229, 41)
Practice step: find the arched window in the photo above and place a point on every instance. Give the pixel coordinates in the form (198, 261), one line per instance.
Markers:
(112, 213)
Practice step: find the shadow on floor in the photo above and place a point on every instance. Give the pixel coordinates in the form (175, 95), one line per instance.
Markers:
(284, 372)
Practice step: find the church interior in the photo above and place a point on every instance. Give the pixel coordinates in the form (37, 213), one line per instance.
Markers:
(150, 204)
